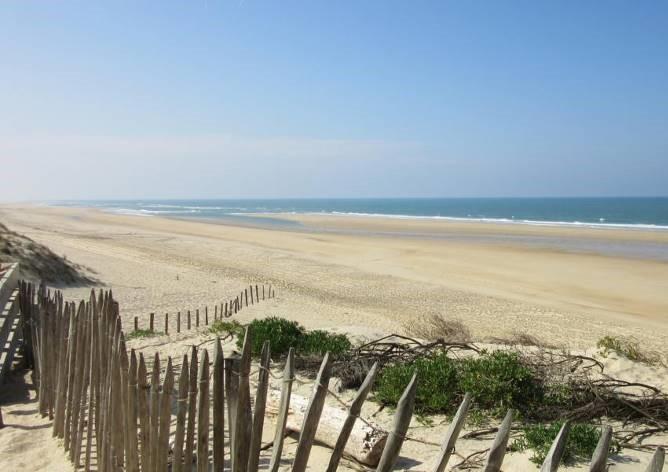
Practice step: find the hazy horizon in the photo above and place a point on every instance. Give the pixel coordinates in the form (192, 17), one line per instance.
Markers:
(205, 100)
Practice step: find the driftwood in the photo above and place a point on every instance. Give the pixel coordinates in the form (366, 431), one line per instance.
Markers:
(365, 445)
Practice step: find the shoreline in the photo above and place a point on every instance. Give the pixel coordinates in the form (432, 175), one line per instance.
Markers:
(363, 282)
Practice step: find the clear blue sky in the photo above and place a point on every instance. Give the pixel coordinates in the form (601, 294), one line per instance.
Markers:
(129, 99)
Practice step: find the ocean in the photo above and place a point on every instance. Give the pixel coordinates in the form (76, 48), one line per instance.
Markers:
(640, 212)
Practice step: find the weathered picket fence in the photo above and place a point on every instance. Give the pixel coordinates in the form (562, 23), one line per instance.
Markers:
(10, 333)
(220, 311)
(107, 410)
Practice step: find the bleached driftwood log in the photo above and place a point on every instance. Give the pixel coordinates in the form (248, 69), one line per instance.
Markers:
(365, 444)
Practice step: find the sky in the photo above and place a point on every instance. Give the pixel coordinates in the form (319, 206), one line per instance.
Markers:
(245, 98)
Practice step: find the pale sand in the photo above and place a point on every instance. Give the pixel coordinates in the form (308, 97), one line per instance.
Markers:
(367, 282)
(367, 285)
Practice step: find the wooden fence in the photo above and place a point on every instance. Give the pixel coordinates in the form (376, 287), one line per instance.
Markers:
(257, 293)
(113, 414)
(10, 334)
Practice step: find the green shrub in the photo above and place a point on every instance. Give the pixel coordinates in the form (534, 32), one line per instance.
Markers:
(319, 342)
(580, 445)
(497, 381)
(283, 334)
(437, 389)
(142, 333)
(234, 328)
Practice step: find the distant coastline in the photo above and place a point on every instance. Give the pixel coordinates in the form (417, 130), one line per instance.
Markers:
(644, 213)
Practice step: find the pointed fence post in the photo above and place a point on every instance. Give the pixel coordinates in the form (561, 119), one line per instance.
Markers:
(181, 409)
(312, 416)
(452, 434)
(599, 459)
(243, 420)
(166, 323)
(165, 417)
(402, 419)
(144, 415)
(353, 413)
(155, 411)
(260, 406)
(498, 450)
(286, 391)
(192, 411)
(203, 415)
(218, 407)
(133, 451)
(656, 463)
(551, 463)
(231, 375)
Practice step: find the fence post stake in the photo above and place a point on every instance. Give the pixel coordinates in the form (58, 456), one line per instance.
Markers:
(260, 406)
(165, 417)
(498, 450)
(203, 416)
(656, 463)
(136, 323)
(182, 408)
(353, 413)
(402, 419)
(151, 322)
(312, 416)
(243, 420)
(600, 457)
(144, 416)
(155, 411)
(218, 407)
(192, 410)
(551, 463)
(133, 456)
(452, 434)
(286, 391)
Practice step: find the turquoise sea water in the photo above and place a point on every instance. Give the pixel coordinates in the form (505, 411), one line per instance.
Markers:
(618, 212)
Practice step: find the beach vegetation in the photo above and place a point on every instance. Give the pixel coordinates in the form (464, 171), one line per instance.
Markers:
(628, 347)
(227, 328)
(142, 333)
(283, 334)
(497, 381)
(434, 327)
(580, 444)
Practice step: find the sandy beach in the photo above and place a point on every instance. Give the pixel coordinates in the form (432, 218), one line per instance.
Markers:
(375, 280)
(365, 277)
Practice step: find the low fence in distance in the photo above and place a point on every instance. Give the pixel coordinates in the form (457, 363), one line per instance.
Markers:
(112, 412)
(257, 293)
